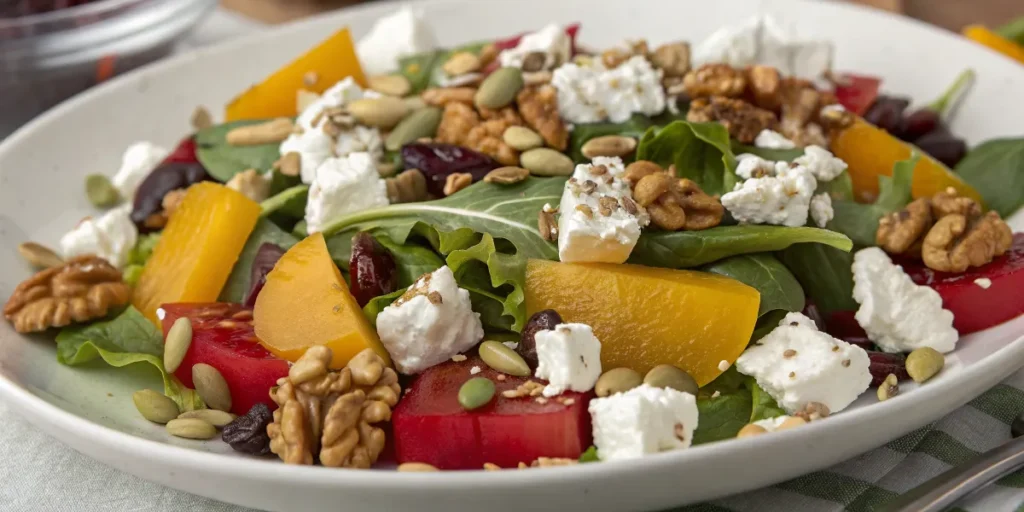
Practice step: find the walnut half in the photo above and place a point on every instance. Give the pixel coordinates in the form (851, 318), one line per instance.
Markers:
(957, 242)
(85, 288)
(743, 120)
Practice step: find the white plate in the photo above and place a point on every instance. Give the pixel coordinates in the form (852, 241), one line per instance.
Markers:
(41, 170)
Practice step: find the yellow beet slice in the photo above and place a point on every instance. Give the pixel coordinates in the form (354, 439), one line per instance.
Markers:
(647, 316)
(198, 248)
(871, 152)
(306, 302)
(315, 71)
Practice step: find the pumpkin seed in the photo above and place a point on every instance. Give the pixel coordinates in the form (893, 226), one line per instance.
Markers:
(923, 363)
(889, 388)
(475, 393)
(669, 376)
(414, 103)
(392, 85)
(416, 467)
(546, 162)
(155, 406)
(384, 112)
(191, 428)
(461, 63)
(750, 429)
(617, 380)
(211, 386)
(509, 175)
(503, 359)
(177, 343)
(100, 191)
(522, 138)
(608, 145)
(421, 123)
(39, 256)
(212, 416)
(499, 88)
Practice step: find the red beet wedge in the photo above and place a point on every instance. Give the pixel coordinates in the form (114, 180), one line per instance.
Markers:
(430, 426)
(857, 92)
(223, 337)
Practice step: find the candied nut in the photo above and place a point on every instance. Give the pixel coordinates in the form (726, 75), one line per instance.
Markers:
(743, 120)
(456, 122)
(955, 242)
(672, 58)
(443, 96)
(269, 132)
(539, 108)
(408, 187)
(900, 232)
(462, 125)
(651, 187)
(486, 138)
(250, 183)
(809, 134)
(461, 63)
(949, 202)
(507, 114)
(715, 80)
(799, 106)
(813, 411)
(457, 181)
(667, 215)
(290, 163)
(766, 85)
(834, 119)
(537, 78)
(702, 211)
(547, 226)
(638, 170)
(83, 289)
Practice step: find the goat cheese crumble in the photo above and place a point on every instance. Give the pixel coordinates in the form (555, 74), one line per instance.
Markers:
(342, 186)
(821, 163)
(898, 314)
(752, 166)
(430, 324)
(821, 209)
(111, 236)
(594, 93)
(984, 282)
(392, 37)
(761, 40)
(783, 199)
(642, 421)
(138, 161)
(771, 139)
(552, 41)
(569, 358)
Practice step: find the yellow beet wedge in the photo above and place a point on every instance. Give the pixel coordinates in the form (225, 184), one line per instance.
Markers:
(647, 316)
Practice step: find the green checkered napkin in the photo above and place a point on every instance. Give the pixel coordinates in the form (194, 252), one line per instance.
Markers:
(866, 482)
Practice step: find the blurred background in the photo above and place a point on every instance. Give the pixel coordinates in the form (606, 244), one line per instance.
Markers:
(53, 49)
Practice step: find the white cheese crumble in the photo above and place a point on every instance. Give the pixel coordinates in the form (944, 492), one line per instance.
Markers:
(111, 236)
(752, 166)
(475, 370)
(401, 34)
(594, 93)
(160, 314)
(797, 364)
(138, 161)
(569, 358)
(342, 186)
(783, 199)
(551, 40)
(821, 209)
(642, 421)
(984, 282)
(771, 139)
(898, 314)
(821, 163)
(432, 323)
(585, 234)
(761, 40)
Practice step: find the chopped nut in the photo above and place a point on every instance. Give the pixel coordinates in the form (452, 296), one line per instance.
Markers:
(488, 53)
(813, 411)
(949, 202)
(652, 187)
(539, 108)
(274, 131)
(614, 57)
(585, 210)
(637, 170)
(672, 58)
(834, 120)
(507, 114)
(251, 184)
(809, 134)
(667, 214)
(444, 96)
(201, 118)
(955, 242)
(606, 205)
(529, 388)
(547, 462)
(457, 181)
(743, 120)
(507, 175)
(798, 108)
(409, 186)
(547, 226)
(461, 63)
(715, 80)
(460, 124)
(900, 232)
(766, 85)
(290, 164)
(84, 288)
(169, 203)
(490, 466)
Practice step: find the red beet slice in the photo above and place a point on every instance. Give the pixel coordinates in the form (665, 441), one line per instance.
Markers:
(430, 426)
(857, 92)
(223, 337)
(975, 308)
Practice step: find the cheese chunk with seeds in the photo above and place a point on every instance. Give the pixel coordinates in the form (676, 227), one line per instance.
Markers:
(599, 222)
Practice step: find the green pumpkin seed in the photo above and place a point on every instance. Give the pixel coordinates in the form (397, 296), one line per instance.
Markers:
(617, 380)
(39, 256)
(155, 406)
(100, 191)
(669, 376)
(475, 393)
(421, 123)
(522, 138)
(211, 386)
(384, 112)
(214, 417)
(177, 343)
(546, 162)
(392, 85)
(499, 88)
(191, 428)
(503, 359)
(923, 363)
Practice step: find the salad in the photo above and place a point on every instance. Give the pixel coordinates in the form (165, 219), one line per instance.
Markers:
(521, 252)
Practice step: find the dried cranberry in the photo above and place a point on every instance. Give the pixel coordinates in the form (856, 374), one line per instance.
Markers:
(943, 146)
(264, 261)
(438, 161)
(919, 123)
(887, 113)
(372, 268)
(248, 434)
(166, 177)
(882, 364)
(185, 152)
(542, 320)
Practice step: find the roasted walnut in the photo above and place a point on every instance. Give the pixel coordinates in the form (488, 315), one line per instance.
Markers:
(715, 80)
(248, 433)
(743, 120)
(539, 108)
(673, 59)
(672, 203)
(702, 211)
(462, 125)
(765, 84)
(900, 232)
(540, 321)
(949, 202)
(333, 416)
(85, 288)
(614, 57)
(957, 242)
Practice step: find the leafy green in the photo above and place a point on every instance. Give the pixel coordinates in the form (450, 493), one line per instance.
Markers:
(723, 416)
(590, 455)
(685, 249)
(238, 284)
(635, 127)
(418, 68)
(778, 287)
(764, 406)
(290, 201)
(1014, 31)
(729, 381)
(825, 274)
(222, 160)
(700, 152)
(839, 189)
(776, 155)
(767, 323)
(138, 257)
(125, 339)
(412, 260)
(996, 170)
(860, 221)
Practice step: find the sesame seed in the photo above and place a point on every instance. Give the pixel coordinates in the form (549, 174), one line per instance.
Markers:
(789, 353)
(846, 363)
(792, 375)
(835, 348)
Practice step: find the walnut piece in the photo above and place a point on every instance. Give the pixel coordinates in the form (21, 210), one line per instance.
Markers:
(715, 80)
(673, 204)
(673, 59)
(743, 120)
(957, 242)
(539, 108)
(949, 202)
(333, 416)
(765, 84)
(900, 232)
(250, 183)
(614, 57)
(462, 125)
(85, 288)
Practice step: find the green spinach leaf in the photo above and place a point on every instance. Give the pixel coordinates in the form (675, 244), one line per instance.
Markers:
(290, 202)
(996, 170)
(700, 152)
(238, 284)
(776, 155)
(839, 189)
(685, 249)
(723, 416)
(860, 221)
(222, 160)
(764, 406)
(138, 257)
(825, 274)
(778, 287)
(767, 323)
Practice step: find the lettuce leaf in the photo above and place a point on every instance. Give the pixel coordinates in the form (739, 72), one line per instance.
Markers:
(700, 151)
(860, 221)
(778, 287)
(237, 286)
